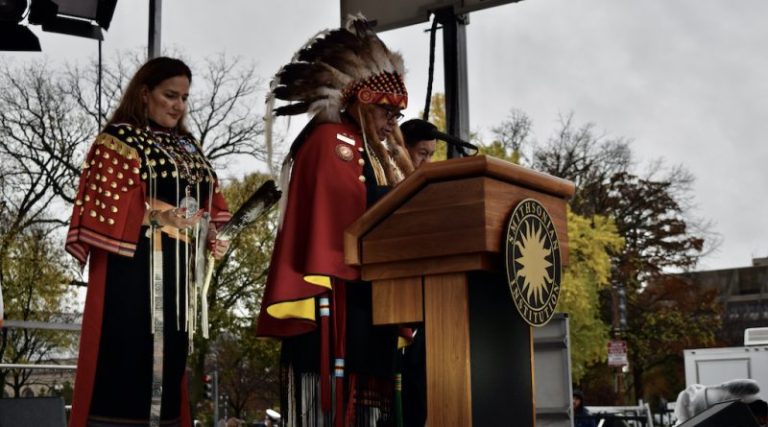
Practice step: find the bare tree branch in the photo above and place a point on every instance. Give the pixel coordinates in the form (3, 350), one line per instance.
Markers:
(222, 114)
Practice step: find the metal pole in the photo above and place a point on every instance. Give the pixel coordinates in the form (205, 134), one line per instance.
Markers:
(619, 326)
(32, 324)
(32, 366)
(99, 115)
(226, 407)
(155, 15)
(455, 65)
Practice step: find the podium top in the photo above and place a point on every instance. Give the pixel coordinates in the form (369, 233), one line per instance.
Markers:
(467, 167)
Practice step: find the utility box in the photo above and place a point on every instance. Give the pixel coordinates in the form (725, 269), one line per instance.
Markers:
(711, 366)
(755, 336)
(32, 412)
(552, 373)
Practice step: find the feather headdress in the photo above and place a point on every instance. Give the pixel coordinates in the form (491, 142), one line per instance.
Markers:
(331, 70)
(337, 66)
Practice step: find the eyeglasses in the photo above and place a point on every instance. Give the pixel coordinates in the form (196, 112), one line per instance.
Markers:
(395, 115)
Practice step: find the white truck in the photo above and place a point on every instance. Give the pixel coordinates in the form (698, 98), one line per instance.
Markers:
(716, 365)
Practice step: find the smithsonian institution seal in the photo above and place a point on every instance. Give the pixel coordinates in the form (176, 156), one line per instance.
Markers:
(532, 259)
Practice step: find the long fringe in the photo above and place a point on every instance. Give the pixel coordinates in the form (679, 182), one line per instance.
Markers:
(400, 154)
(269, 120)
(370, 401)
(373, 402)
(285, 180)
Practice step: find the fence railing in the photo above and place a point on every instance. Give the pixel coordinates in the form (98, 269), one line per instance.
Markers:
(630, 416)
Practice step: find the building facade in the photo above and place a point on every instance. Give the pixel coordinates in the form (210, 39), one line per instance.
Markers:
(744, 295)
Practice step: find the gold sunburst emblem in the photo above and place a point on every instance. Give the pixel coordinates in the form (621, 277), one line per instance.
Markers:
(533, 262)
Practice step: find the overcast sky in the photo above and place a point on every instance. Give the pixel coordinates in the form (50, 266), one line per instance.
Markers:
(685, 79)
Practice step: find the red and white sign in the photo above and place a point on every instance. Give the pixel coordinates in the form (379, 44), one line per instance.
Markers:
(617, 353)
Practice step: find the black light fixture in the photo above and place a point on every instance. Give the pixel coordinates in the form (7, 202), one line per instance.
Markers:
(100, 11)
(83, 18)
(13, 35)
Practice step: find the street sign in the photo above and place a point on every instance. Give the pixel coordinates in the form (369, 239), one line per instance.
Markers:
(617, 353)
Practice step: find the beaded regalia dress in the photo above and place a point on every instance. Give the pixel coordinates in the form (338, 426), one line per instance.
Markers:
(142, 300)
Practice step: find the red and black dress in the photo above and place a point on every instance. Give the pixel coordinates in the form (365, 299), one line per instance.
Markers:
(137, 322)
(337, 366)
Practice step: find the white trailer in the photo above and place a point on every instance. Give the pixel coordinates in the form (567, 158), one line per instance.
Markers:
(716, 365)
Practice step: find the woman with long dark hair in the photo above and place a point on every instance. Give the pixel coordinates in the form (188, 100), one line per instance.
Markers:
(146, 210)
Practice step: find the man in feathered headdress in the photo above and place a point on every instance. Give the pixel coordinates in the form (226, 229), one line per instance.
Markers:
(336, 366)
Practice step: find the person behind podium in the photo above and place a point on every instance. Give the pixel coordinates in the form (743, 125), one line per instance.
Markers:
(420, 139)
(340, 164)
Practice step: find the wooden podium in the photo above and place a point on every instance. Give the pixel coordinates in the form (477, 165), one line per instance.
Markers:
(433, 248)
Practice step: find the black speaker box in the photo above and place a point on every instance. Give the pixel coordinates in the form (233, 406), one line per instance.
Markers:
(732, 413)
(32, 412)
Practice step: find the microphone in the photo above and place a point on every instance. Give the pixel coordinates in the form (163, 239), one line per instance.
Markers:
(415, 130)
(455, 141)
